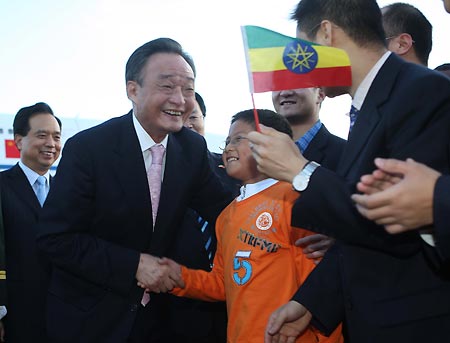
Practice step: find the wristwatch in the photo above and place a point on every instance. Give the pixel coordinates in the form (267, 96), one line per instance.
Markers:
(301, 180)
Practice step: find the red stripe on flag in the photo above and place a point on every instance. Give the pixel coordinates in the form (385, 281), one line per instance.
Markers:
(11, 150)
(285, 79)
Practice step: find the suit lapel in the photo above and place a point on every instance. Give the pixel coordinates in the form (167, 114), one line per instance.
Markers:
(369, 115)
(21, 186)
(367, 121)
(128, 165)
(315, 149)
(170, 193)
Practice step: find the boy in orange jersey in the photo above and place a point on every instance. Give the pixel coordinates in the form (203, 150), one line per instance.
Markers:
(257, 267)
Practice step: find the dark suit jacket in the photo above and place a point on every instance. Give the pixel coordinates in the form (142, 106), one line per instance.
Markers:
(382, 286)
(442, 218)
(195, 320)
(2, 258)
(325, 149)
(28, 271)
(97, 220)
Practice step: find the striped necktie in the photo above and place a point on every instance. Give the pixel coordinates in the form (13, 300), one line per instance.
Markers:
(205, 229)
(353, 115)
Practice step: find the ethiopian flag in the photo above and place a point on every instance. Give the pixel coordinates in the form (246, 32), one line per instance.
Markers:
(277, 62)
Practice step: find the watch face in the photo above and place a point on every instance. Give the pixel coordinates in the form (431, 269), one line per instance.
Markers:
(301, 180)
(300, 183)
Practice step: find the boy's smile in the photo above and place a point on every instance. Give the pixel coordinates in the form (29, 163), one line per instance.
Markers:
(237, 156)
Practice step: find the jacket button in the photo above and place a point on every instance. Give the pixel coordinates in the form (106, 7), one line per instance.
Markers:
(349, 304)
(134, 308)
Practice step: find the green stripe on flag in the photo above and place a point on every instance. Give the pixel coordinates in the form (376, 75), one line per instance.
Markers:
(259, 37)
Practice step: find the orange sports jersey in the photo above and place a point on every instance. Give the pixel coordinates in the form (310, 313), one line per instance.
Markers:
(257, 267)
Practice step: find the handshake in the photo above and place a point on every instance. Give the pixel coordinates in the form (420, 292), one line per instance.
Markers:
(158, 275)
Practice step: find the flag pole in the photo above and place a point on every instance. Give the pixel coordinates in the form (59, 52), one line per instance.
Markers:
(255, 113)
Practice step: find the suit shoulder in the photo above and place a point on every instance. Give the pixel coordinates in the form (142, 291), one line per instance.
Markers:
(335, 139)
(11, 171)
(98, 133)
(422, 78)
(215, 156)
(190, 139)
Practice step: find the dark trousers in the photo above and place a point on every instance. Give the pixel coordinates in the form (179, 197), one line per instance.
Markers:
(149, 326)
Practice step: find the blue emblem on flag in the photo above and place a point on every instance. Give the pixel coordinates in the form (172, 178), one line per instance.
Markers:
(299, 57)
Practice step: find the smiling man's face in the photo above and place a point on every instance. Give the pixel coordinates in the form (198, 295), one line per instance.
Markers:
(164, 95)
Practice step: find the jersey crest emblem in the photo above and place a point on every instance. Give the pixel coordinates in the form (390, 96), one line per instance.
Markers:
(264, 221)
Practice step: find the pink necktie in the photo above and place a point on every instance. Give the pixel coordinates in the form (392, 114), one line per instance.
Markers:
(154, 175)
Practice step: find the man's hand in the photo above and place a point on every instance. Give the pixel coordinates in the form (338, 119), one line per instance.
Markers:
(287, 323)
(156, 276)
(276, 154)
(315, 246)
(399, 195)
(175, 271)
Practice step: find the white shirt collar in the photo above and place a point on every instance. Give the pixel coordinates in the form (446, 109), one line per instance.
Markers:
(363, 89)
(251, 189)
(145, 141)
(32, 175)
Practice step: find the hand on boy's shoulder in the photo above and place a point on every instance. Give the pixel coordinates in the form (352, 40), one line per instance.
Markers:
(315, 246)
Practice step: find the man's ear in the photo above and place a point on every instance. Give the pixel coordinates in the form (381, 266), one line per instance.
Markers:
(325, 33)
(320, 95)
(18, 141)
(132, 88)
(401, 44)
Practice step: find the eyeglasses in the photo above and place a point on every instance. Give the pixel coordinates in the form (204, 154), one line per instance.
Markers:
(235, 141)
(392, 37)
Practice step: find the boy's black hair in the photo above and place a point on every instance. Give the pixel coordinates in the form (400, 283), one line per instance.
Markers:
(266, 117)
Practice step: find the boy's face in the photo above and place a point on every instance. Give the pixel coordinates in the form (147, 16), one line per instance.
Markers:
(237, 156)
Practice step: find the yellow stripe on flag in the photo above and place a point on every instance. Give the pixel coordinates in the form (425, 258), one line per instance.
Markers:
(330, 58)
(266, 59)
(271, 59)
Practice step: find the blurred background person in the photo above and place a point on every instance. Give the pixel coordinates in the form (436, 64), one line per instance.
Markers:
(37, 135)
(409, 34)
(444, 68)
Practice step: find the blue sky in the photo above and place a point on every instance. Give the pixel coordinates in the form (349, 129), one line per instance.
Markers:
(72, 54)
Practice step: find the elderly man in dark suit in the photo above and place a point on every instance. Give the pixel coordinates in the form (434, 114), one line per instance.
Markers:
(97, 226)
(37, 135)
(382, 287)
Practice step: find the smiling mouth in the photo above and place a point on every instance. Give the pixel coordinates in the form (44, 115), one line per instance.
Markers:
(174, 113)
(232, 159)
